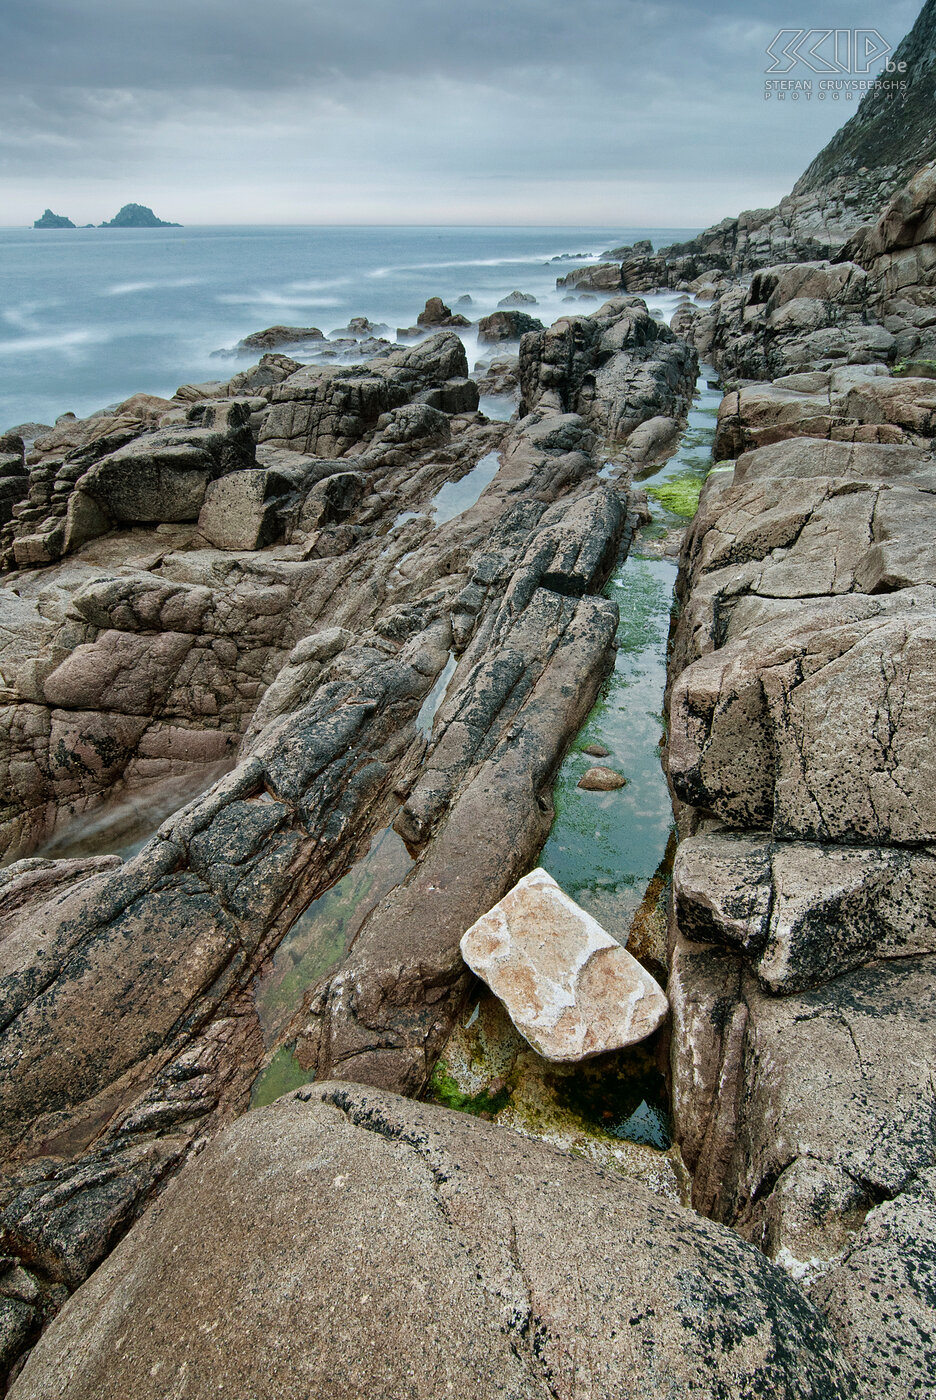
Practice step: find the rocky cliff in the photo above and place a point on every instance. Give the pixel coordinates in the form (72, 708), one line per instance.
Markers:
(891, 135)
(882, 145)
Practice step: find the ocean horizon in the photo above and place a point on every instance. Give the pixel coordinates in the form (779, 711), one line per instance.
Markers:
(88, 320)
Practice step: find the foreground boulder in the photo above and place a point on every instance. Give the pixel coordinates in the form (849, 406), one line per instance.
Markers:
(570, 989)
(316, 1230)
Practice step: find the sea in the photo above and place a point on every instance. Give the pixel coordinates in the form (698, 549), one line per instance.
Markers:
(90, 316)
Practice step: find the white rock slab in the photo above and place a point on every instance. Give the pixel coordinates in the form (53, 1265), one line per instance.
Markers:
(568, 987)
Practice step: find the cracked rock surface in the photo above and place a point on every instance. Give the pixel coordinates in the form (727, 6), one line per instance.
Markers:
(280, 1259)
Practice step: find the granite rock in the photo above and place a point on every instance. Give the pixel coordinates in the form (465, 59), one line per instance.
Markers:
(497, 1265)
(601, 779)
(568, 986)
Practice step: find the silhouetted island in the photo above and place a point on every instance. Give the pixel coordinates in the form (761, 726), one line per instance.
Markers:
(137, 216)
(50, 220)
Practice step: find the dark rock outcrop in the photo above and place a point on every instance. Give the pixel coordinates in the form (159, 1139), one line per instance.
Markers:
(506, 325)
(617, 368)
(437, 315)
(275, 336)
(137, 216)
(50, 220)
(325, 411)
(517, 299)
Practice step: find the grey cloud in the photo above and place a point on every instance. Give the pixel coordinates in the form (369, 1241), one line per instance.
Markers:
(437, 96)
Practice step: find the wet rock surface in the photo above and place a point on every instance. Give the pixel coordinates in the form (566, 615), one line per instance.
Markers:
(601, 779)
(533, 1272)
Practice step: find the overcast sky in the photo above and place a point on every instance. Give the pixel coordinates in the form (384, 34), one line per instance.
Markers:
(636, 113)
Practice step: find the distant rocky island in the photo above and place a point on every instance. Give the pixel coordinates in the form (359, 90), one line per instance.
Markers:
(50, 220)
(137, 216)
(130, 216)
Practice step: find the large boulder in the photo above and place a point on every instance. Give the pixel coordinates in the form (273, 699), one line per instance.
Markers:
(240, 509)
(596, 277)
(435, 314)
(163, 476)
(793, 318)
(757, 727)
(860, 403)
(506, 325)
(351, 1243)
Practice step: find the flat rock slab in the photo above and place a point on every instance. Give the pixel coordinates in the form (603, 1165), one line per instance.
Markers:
(350, 1244)
(570, 989)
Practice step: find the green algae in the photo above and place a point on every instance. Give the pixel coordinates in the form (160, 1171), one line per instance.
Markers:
(445, 1089)
(604, 848)
(679, 495)
(914, 369)
(280, 1076)
(611, 1111)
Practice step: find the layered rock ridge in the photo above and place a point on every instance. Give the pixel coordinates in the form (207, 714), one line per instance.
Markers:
(802, 759)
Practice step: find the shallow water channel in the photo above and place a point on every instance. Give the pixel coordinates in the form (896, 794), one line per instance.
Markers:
(316, 942)
(605, 848)
(122, 825)
(612, 852)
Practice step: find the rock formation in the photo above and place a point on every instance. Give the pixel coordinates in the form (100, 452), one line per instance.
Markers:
(275, 336)
(256, 578)
(50, 220)
(497, 1266)
(137, 216)
(506, 325)
(802, 756)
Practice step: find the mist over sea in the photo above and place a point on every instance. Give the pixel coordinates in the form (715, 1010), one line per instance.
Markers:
(91, 316)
